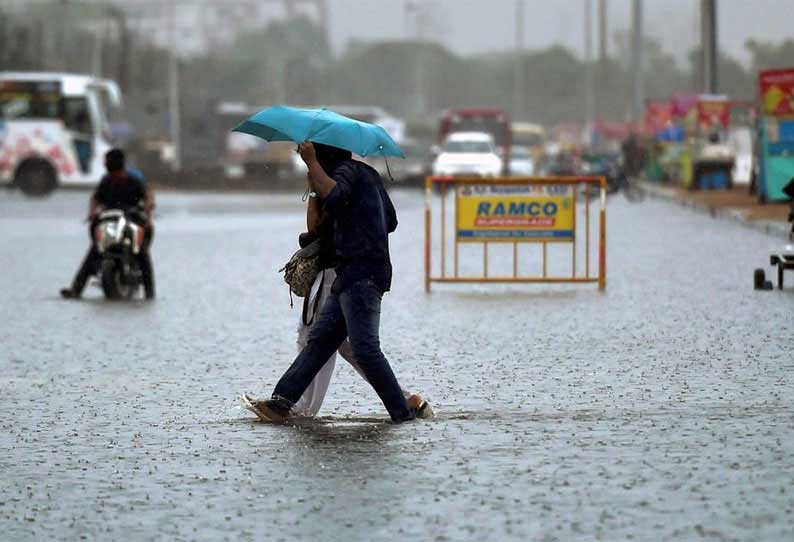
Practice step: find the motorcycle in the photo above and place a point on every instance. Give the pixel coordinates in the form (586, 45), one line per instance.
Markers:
(617, 180)
(119, 240)
(783, 259)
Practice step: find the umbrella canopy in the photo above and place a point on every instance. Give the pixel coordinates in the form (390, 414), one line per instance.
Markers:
(284, 123)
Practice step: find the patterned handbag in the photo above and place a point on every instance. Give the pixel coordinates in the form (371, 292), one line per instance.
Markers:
(301, 270)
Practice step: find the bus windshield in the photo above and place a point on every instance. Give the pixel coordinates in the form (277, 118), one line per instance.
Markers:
(528, 139)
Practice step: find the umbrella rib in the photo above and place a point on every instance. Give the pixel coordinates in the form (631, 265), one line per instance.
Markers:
(314, 119)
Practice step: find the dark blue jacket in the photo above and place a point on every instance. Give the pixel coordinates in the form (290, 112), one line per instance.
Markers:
(363, 217)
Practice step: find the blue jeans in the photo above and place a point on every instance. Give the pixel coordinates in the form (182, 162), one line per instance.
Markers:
(353, 313)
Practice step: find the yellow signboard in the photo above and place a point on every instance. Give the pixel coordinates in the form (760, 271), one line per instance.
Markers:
(526, 213)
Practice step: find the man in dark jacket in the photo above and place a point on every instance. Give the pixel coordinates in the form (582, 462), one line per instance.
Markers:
(120, 189)
(353, 196)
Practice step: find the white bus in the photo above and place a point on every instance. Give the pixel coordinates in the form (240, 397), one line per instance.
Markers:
(54, 129)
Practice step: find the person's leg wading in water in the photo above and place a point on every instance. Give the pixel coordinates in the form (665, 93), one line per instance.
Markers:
(360, 305)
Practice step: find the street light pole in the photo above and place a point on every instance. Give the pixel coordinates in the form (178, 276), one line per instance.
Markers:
(636, 60)
(173, 93)
(603, 38)
(518, 62)
(708, 45)
(96, 54)
(589, 98)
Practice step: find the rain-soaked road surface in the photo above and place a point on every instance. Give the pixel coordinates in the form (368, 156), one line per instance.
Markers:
(661, 410)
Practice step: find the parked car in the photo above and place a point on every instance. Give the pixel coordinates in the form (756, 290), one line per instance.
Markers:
(468, 154)
(416, 164)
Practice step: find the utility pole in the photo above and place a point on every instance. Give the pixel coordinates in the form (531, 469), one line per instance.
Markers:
(589, 99)
(708, 45)
(518, 61)
(289, 9)
(118, 16)
(60, 41)
(324, 16)
(96, 54)
(173, 93)
(420, 24)
(637, 41)
(603, 31)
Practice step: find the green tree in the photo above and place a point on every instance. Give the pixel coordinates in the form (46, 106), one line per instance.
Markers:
(765, 55)
(733, 79)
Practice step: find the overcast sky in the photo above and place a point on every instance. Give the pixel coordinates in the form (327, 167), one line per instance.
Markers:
(470, 26)
(475, 26)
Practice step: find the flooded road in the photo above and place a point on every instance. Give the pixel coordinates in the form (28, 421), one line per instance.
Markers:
(660, 410)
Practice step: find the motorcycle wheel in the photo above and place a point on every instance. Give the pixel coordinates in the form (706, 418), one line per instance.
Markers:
(114, 284)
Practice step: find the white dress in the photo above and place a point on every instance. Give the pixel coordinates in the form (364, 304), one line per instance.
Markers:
(312, 399)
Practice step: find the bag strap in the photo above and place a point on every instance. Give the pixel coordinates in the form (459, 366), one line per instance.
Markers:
(316, 301)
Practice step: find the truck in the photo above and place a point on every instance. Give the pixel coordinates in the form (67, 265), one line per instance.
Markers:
(532, 137)
(54, 129)
(495, 122)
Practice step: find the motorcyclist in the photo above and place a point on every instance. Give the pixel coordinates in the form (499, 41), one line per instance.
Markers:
(123, 189)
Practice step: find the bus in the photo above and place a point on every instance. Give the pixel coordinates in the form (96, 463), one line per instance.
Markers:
(495, 122)
(54, 129)
(532, 137)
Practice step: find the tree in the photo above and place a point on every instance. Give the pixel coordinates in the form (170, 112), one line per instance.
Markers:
(397, 76)
(767, 55)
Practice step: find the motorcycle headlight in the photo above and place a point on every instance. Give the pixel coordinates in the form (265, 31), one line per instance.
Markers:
(110, 229)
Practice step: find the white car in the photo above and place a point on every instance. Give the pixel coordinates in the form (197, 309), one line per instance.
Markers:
(468, 153)
(521, 162)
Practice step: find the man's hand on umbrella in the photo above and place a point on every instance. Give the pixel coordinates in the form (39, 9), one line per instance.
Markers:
(319, 181)
(307, 152)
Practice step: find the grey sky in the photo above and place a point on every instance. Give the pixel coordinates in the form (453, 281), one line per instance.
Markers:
(474, 26)
(470, 26)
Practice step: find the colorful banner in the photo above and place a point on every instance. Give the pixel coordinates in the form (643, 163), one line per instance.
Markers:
(532, 213)
(713, 113)
(682, 104)
(777, 91)
(658, 116)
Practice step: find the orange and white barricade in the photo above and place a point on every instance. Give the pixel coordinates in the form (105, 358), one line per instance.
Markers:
(524, 214)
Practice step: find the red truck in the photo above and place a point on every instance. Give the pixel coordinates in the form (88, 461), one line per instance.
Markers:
(495, 122)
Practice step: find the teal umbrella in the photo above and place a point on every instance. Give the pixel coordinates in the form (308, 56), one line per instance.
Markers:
(284, 123)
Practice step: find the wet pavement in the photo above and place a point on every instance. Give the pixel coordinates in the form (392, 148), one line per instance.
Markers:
(660, 410)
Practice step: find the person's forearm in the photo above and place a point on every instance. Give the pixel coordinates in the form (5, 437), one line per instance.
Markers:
(313, 215)
(92, 206)
(148, 204)
(319, 180)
